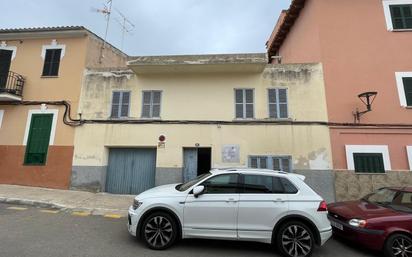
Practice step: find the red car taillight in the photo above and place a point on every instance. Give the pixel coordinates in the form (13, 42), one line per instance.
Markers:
(323, 206)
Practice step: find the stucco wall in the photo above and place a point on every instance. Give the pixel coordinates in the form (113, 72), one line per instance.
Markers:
(112, 57)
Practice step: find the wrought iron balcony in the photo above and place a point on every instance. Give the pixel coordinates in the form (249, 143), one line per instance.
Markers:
(11, 86)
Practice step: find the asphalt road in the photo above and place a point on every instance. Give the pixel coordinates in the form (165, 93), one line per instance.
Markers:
(33, 232)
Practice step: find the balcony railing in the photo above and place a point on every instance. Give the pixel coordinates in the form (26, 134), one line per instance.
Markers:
(11, 83)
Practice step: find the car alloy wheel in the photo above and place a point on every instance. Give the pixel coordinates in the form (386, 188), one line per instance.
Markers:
(296, 240)
(402, 247)
(159, 231)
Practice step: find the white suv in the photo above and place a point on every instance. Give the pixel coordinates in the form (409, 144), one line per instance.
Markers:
(235, 204)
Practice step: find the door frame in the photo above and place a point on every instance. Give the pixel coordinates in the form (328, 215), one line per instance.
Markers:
(55, 113)
(197, 152)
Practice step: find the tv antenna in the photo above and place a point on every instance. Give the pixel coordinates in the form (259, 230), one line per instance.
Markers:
(126, 25)
(106, 11)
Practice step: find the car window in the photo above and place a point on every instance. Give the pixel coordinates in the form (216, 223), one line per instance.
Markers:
(259, 184)
(187, 185)
(222, 184)
(402, 202)
(383, 196)
(288, 187)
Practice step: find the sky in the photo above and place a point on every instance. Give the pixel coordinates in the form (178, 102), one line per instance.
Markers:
(161, 27)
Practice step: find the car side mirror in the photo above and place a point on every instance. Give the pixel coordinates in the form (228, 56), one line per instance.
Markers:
(198, 191)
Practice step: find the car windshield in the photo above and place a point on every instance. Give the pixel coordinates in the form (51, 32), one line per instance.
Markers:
(187, 185)
(395, 199)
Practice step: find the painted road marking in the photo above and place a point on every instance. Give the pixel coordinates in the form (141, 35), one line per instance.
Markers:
(112, 216)
(50, 211)
(16, 208)
(80, 213)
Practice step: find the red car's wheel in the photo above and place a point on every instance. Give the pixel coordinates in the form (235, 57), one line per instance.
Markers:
(398, 245)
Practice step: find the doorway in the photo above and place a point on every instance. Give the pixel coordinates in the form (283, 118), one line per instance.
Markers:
(5, 61)
(196, 161)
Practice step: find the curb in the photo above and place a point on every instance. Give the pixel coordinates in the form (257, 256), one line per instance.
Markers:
(44, 204)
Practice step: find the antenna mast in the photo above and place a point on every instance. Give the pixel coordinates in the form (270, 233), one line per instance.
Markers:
(107, 10)
(126, 25)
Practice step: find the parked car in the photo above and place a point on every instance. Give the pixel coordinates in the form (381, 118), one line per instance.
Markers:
(380, 221)
(234, 204)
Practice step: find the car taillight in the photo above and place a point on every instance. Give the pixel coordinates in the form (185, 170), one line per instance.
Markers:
(323, 206)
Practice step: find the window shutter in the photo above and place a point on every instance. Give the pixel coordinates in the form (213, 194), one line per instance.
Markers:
(253, 162)
(273, 112)
(263, 163)
(156, 104)
(401, 16)
(369, 162)
(276, 164)
(125, 104)
(283, 103)
(407, 83)
(249, 103)
(239, 103)
(285, 165)
(52, 62)
(38, 140)
(115, 105)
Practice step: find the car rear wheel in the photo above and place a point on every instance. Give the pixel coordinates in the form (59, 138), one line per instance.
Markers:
(159, 231)
(295, 239)
(398, 245)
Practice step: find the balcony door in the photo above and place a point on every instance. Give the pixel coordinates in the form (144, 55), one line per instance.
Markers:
(5, 61)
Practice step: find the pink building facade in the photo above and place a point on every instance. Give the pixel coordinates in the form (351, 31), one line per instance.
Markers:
(364, 46)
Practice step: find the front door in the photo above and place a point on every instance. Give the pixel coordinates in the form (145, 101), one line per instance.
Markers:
(196, 161)
(214, 213)
(5, 61)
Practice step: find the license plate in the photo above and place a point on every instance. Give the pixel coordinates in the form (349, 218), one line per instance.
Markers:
(336, 225)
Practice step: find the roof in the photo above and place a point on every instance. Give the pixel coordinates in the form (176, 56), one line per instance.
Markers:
(44, 32)
(282, 30)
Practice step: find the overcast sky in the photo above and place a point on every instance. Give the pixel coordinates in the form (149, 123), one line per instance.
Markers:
(162, 27)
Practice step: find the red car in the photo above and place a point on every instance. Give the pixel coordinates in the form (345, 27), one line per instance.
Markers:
(380, 221)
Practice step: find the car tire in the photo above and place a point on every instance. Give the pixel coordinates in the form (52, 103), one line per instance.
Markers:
(398, 243)
(159, 231)
(295, 239)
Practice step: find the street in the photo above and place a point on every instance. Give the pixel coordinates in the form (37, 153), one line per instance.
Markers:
(34, 232)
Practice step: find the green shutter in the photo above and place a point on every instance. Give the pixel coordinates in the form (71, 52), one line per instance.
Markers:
(401, 16)
(38, 140)
(407, 84)
(369, 163)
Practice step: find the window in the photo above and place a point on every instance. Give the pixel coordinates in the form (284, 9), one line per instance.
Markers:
(288, 187)
(401, 16)
(404, 85)
(369, 162)
(38, 139)
(1, 117)
(398, 14)
(244, 99)
(368, 158)
(279, 163)
(120, 104)
(278, 103)
(151, 104)
(52, 62)
(259, 184)
(222, 184)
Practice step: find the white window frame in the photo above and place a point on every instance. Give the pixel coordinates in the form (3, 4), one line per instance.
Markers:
(387, 12)
(151, 104)
(269, 160)
(1, 117)
(53, 45)
(278, 104)
(401, 88)
(4, 46)
(383, 149)
(55, 113)
(409, 152)
(244, 103)
(120, 105)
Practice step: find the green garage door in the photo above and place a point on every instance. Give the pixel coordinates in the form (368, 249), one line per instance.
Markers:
(131, 171)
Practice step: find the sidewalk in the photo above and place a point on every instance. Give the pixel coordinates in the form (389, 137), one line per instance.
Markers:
(68, 200)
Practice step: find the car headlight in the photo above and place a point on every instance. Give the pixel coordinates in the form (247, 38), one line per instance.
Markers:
(136, 204)
(359, 223)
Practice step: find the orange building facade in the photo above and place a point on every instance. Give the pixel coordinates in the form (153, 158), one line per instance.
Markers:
(364, 46)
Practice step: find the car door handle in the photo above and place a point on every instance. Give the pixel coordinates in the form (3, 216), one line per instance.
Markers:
(279, 200)
(231, 200)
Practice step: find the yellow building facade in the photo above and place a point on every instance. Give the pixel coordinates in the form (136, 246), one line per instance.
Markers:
(168, 119)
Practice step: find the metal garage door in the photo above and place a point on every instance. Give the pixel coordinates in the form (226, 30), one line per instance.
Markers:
(131, 171)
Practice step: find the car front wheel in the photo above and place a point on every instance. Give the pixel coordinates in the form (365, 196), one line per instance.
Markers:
(398, 245)
(159, 231)
(295, 239)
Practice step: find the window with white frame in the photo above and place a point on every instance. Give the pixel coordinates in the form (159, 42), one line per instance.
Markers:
(278, 103)
(1, 117)
(279, 163)
(409, 152)
(404, 85)
(120, 104)
(151, 104)
(368, 158)
(398, 14)
(244, 103)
